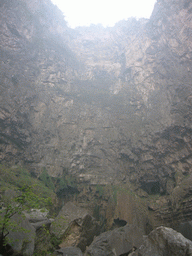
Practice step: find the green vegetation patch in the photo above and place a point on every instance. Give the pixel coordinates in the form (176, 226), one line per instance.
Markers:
(66, 185)
(46, 179)
(16, 177)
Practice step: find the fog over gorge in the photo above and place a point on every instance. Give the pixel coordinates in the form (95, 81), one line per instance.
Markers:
(95, 133)
(105, 12)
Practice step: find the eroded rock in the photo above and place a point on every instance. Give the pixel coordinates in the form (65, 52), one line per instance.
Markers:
(75, 227)
(165, 241)
(22, 240)
(69, 251)
(67, 215)
(117, 242)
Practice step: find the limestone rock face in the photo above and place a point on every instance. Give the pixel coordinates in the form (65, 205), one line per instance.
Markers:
(105, 105)
(166, 241)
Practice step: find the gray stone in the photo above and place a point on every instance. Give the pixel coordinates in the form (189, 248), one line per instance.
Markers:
(37, 218)
(69, 251)
(81, 232)
(46, 223)
(35, 215)
(165, 241)
(67, 215)
(22, 240)
(116, 242)
(75, 226)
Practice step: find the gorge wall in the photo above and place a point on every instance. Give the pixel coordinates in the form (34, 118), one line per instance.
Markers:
(109, 106)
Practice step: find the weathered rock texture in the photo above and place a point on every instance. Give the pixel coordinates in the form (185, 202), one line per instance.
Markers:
(22, 241)
(69, 251)
(104, 105)
(67, 215)
(165, 241)
(117, 242)
(75, 227)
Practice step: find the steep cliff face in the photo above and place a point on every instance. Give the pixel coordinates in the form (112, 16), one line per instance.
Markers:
(109, 105)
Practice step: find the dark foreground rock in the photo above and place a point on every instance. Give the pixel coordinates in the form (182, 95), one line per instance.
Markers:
(117, 242)
(165, 241)
(185, 229)
(69, 251)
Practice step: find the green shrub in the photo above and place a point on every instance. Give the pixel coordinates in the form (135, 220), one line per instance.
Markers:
(66, 181)
(100, 190)
(96, 212)
(46, 179)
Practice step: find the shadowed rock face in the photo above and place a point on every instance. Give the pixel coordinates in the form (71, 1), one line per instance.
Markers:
(108, 105)
(70, 251)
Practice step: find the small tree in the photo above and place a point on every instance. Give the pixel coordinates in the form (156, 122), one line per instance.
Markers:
(24, 199)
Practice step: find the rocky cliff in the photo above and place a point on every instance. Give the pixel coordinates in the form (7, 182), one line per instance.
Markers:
(108, 106)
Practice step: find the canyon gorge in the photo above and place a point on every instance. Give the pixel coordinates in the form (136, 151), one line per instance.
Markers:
(107, 110)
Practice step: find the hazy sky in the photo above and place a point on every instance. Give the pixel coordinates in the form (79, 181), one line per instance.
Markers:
(106, 12)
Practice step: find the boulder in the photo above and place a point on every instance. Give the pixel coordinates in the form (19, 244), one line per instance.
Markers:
(69, 251)
(22, 240)
(75, 227)
(81, 232)
(38, 218)
(45, 223)
(35, 215)
(117, 242)
(165, 241)
(67, 215)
